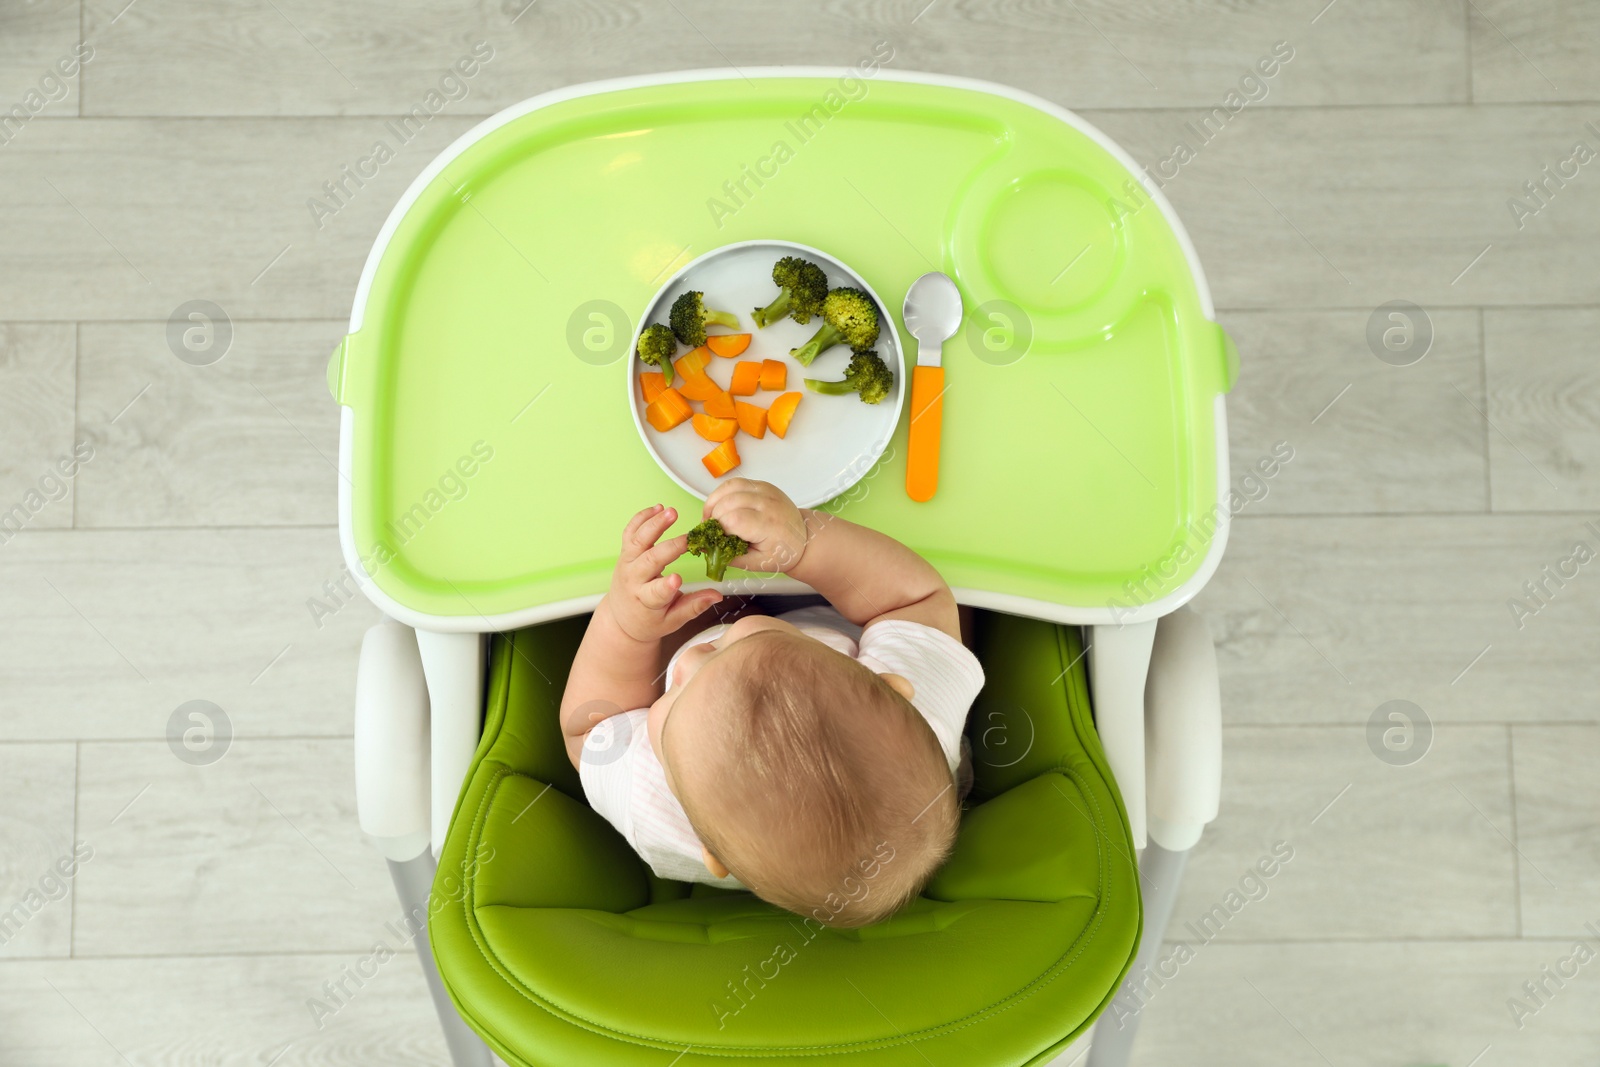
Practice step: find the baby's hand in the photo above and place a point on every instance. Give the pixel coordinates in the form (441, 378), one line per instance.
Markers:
(763, 515)
(644, 603)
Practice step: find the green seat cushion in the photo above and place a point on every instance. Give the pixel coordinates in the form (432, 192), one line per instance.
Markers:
(560, 947)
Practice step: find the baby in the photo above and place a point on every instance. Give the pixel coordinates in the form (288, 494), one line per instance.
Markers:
(808, 757)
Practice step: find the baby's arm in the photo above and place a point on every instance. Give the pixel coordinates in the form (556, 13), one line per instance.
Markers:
(870, 576)
(618, 664)
(865, 574)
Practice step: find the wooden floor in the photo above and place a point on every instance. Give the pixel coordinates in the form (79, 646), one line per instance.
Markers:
(211, 903)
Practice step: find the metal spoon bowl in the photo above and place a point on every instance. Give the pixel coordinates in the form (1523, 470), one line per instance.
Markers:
(933, 314)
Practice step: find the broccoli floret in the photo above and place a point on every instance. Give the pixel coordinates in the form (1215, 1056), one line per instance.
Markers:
(690, 316)
(717, 545)
(801, 289)
(868, 376)
(657, 346)
(848, 315)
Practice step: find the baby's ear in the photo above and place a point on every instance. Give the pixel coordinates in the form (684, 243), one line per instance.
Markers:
(900, 685)
(713, 864)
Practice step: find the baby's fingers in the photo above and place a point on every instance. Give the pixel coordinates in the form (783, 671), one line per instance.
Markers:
(747, 490)
(652, 526)
(634, 523)
(653, 560)
(732, 485)
(659, 592)
(741, 521)
(689, 606)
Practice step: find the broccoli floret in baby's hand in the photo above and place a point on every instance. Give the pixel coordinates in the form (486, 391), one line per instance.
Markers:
(717, 546)
(657, 346)
(868, 376)
(848, 315)
(802, 286)
(690, 316)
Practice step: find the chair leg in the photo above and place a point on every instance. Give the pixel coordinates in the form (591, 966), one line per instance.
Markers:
(453, 665)
(1119, 664)
(413, 882)
(1160, 873)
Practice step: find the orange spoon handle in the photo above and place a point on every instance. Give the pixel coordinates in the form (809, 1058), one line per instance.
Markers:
(927, 414)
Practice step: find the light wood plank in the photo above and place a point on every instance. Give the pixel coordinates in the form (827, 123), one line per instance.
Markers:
(1557, 797)
(113, 219)
(259, 851)
(37, 462)
(1399, 1003)
(105, 634)
(1542, 51)
(1354, 207)
(306, 58)
(33, 37)
(250, 440)
(1544, 400)
(1365, 436)
(1374, 849)
(1419, 194)
(216, 1012)
(1321, 620)
(37, 784)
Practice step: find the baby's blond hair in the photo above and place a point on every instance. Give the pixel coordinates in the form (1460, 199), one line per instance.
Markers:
(817, 784)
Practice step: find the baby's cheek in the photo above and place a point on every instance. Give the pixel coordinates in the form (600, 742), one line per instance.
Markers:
(653, 721)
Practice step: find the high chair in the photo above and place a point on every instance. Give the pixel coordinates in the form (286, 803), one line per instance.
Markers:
(1096, 739)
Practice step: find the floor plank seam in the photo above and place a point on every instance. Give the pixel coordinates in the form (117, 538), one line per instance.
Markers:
(1516, 839)
(72, 903)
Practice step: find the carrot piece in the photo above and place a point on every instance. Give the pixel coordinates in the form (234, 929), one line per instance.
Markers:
(720, 406)
(697, 386)
(714, 429)
(746, 378)
(693, 360)
(752, 418)
(668, 410)
(774, 374)
(651, 383)
(781, 411)
(728, 345)
(722, 459)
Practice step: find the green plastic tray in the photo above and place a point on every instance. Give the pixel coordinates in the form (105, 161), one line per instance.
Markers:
(491, 462)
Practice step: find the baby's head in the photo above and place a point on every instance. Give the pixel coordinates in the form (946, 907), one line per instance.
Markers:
(808, 776)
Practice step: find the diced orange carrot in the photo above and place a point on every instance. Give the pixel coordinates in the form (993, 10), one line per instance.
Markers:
(668, 410)
(746, 378)
(714, 429)
(781, 411)
(697, 386)
(722, 459)
(752, 418)
(693, 360)
(774, 374)
(728, 345)
(651, 382)
(720, 406)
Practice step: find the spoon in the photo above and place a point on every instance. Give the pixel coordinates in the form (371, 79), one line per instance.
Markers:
(932, 314)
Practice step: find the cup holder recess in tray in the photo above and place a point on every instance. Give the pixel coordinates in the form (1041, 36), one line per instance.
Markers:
(1053, 242)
